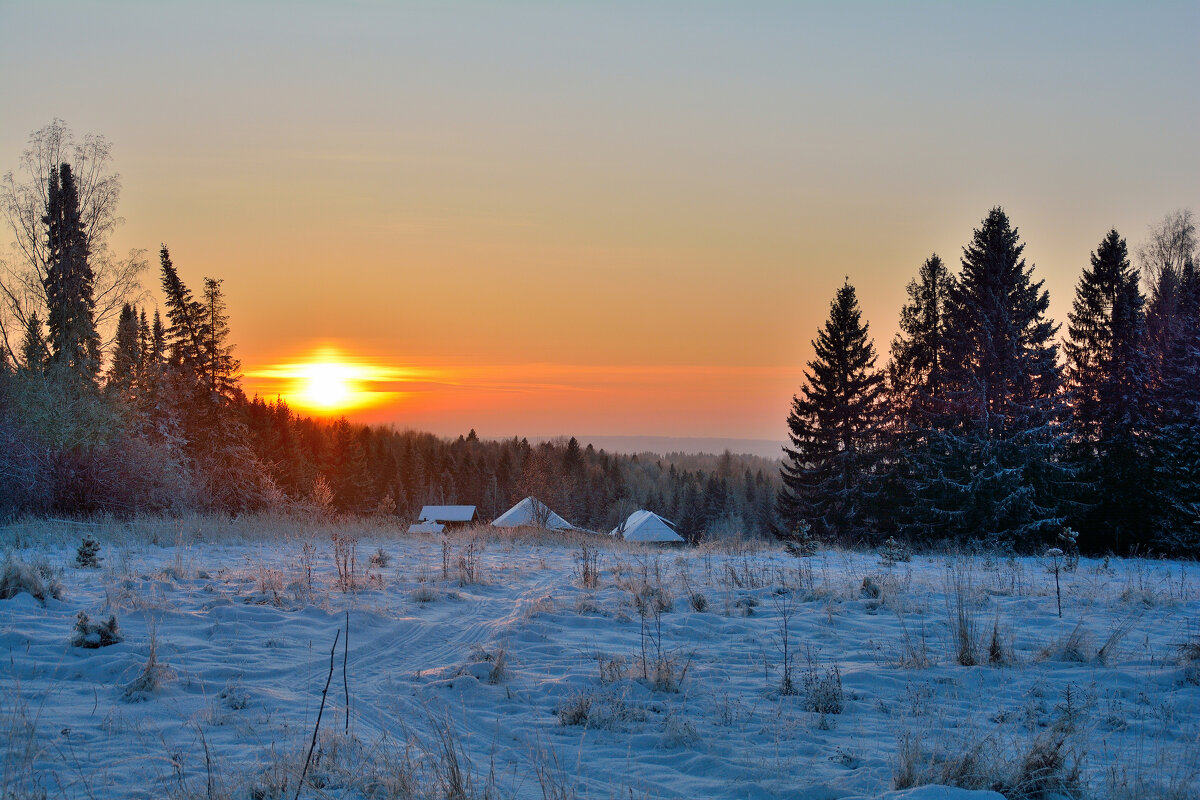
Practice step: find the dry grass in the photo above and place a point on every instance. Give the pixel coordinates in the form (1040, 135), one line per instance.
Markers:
(1034, 767)
(16, 577)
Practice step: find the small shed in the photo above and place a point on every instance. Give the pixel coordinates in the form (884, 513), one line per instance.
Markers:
(435, 519)
(646, 526)
(532, 513)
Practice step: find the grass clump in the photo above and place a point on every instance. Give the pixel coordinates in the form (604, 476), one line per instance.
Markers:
(16, 577)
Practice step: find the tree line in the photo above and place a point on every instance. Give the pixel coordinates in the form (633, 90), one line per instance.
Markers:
(978, 430)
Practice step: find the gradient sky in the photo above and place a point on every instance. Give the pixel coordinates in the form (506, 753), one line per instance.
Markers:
(603, 218)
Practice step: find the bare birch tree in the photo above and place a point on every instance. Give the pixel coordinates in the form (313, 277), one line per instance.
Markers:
(23, 200)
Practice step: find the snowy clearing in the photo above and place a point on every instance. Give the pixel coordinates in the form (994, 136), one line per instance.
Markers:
(522, 664)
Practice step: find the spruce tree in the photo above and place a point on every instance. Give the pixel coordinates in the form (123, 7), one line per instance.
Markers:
(219, 367)
(834, 429)
(69, 282)
(185, 330)
(995, 469)
(1176, 444)
(917, 389)
(127, 355)
(919, 349)
(1107, 385)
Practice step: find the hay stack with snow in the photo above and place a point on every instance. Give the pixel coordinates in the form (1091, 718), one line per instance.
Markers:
(646, 526)
(532, 513)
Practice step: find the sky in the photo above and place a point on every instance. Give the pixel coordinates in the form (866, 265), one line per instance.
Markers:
(549, 218)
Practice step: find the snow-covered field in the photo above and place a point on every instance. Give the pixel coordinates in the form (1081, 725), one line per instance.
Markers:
(498, 664)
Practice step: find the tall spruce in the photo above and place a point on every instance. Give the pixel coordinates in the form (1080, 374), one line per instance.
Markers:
(127, 354)
(834, 428)
(995, 469)
(1176, 444)
(185, 331)
(219, 367)
(1107, 385)
(917, 389)
(69, 282)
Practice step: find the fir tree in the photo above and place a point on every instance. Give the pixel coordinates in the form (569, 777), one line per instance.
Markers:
(916, 389)
(33, 345)
(1107, 383)
(994, 466)
(127, 356)
(69, 282)
(185, 332)
(219, 367)
(834, 428)
(919, 349)
(1176, 444)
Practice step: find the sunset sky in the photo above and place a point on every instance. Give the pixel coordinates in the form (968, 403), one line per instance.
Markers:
(601, 218)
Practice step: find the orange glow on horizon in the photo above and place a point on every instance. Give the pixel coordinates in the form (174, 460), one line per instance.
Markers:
(330, 382)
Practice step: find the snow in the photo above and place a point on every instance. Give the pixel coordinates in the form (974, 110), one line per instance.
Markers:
(243, 652)
(447, 514)
(646, 526)
(523, 513)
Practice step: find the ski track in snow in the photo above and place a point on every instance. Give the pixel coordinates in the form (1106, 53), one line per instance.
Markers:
(64, 720)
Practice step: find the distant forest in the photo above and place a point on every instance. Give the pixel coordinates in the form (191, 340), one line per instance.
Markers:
(983, 427)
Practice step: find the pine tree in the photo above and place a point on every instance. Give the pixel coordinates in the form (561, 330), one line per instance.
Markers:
(995, 466)
(1107, 384)
(834, 428)
(69, 282)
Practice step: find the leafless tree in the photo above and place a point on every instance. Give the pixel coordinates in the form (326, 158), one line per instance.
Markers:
(23, 199)
(1168, 247)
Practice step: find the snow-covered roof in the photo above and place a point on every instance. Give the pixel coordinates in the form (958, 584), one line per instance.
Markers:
(525, 513)
(447, 514)
(646, 526)
(426, 527)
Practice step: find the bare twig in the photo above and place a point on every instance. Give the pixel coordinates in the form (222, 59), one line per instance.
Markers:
(345, 658)
(312, 745)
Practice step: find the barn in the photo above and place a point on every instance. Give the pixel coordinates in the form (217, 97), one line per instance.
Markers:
(435, 519)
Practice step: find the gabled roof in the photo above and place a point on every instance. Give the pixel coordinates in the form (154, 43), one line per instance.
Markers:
(646, 526)
(447, 514)
(525, 513)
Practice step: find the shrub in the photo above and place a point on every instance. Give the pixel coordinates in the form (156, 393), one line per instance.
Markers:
(587, 566)
(822, 688)
(87, 555)
(152, 677)
(94, 635)
(380, 558)
(801, 544)
(893, 551)
(17, 577)
(698, 601)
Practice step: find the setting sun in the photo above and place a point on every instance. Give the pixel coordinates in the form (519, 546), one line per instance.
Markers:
(330, 382)
(326, 386)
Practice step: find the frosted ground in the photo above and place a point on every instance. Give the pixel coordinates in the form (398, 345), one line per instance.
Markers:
(511, 665)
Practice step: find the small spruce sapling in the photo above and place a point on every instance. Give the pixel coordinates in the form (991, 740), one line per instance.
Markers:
(93, 635)
(87, 555)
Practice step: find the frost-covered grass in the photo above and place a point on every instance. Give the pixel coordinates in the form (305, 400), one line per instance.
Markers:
(522, 665)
